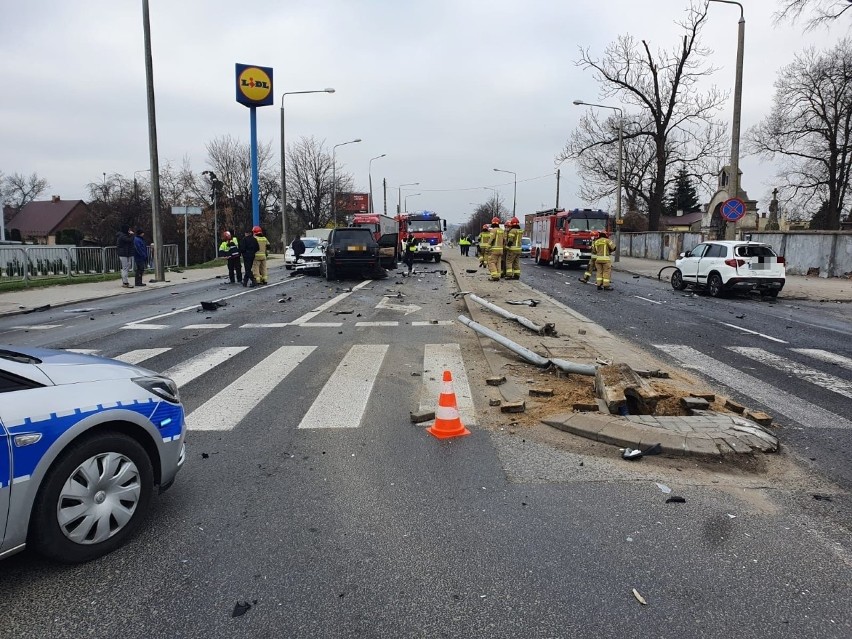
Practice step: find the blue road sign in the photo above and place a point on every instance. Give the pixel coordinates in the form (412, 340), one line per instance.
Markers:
(733, 209)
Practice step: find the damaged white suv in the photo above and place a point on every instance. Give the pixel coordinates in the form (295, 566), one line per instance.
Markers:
(724, 266)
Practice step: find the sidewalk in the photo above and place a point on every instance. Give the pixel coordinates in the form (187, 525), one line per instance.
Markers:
(797, 287)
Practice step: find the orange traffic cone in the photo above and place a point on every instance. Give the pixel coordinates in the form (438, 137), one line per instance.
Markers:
(447, 422)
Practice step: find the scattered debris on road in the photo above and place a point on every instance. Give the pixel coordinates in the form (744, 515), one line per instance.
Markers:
(527, 302)
(663, 488)
(631, 454)
(37, 309)
(495, 381)
(639, 597)
(212, 306)
(676, 499)
(241, 608)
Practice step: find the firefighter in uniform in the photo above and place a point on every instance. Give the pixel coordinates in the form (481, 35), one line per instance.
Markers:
(603, 248)
(230, 250)
(591, 265)
(495, 250)
(484, 243)
(513, 250)
(258, 269)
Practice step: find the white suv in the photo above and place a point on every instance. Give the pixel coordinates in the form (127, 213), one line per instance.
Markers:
(730, 266)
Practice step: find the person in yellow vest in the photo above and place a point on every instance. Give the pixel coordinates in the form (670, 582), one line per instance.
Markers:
(603, 248)
(258, 269)
(591, 265)
(495, 250)
(484, 243)
(464, 245)
(229, 249)
(513, 250)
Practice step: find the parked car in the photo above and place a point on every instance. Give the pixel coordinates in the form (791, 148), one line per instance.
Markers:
(725, 266)
(84, 443)
(526, 246)
(350, 249)
(313, 253)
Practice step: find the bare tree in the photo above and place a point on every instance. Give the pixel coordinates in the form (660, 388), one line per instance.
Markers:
(811, 126)
(18, 190)
(676, 119)
(820, 12)
(485, 212)
(309, 180)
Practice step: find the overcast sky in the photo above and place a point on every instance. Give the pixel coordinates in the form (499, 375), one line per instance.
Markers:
(448, 89)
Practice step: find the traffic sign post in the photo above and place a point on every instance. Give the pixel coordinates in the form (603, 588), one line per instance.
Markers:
(186, 211)
(254, 89)
(733, 209)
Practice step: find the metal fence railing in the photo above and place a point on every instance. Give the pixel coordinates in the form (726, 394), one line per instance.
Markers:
(27, 263)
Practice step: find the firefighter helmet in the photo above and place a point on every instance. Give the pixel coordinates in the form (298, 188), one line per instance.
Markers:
(514, 222)
(485, 227)
(495, 220)
(603, 234)
(257, 230)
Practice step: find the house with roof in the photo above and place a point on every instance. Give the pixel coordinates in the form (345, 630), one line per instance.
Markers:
(682, 221)
(40, 222)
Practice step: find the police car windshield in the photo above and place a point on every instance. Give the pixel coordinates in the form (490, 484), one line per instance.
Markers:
(424, 226)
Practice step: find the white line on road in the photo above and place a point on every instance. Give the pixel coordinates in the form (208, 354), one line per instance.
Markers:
(343, 400)
(144, 327)
(37, 327)
(829, 382)
(307, 317)
(434, 323)
(436, 359)
(825, 356)
(320, 324)
(83, 351)
(365, 324)
(647, 300)
(188, 370)
(191, 327)
(798, 410)
(230, 405)
(137, 356)
(745, 330)
(272, 325)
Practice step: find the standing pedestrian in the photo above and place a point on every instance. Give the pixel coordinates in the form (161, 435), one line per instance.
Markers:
(249, 248)
(259, 268)
(124, 244)
(513, 250)
(464, 245)
(140, 255)
(410, 251)
(603, 248)
(298, 247)
(229, 249)
(495, 250)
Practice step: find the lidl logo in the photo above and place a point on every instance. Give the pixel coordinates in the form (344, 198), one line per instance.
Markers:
(254, 85)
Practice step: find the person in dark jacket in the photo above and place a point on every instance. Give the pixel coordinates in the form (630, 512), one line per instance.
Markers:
(411, 246)
(140, 255)
(124, 244)
(230, 250)
(249, 247)
(298, 247)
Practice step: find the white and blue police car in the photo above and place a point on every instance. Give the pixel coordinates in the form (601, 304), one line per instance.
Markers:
(84, 443)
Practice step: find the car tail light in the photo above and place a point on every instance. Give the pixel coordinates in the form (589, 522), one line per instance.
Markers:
(734, 263)
(780, 259)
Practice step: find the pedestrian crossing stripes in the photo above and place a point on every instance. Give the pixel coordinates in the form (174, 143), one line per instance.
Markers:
(782, 402)
(438, 358)
(825, 356)
(299, 322)
(830, 382)
(139, 356)
(187, 371)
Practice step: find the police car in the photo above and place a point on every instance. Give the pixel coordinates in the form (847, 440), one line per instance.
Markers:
(84, 443)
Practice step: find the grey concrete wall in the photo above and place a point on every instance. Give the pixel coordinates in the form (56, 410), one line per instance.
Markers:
(829, 251)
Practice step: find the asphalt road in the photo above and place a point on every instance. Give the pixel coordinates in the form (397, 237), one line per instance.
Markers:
(321, 505)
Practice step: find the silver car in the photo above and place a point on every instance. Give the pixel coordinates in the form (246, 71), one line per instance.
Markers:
(84, 443)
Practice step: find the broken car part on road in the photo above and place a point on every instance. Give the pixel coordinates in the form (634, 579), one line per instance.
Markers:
(548, 329)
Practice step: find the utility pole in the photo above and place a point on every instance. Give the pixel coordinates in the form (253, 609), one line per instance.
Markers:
(385, 191)
(557, 187)
(156, 231)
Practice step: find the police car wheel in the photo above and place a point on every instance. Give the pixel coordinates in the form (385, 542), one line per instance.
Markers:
(93, 498)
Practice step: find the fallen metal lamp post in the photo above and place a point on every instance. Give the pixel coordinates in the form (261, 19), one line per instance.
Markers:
(547, 329)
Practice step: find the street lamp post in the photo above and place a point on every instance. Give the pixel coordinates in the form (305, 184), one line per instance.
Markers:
(408, 196)
(399, 200)
(515, 194)
(734, 178)
(215, 187)
(156, 231)
(620, 162)
(334, 176)
(495, 209)
(284, 163)
(370, 177)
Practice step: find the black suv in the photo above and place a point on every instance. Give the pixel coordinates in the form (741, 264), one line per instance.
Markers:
(355, 250)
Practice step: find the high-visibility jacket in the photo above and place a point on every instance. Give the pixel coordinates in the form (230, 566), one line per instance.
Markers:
(498, 239)
(464, 241)
(229, 248)
(485, 239)
(263, 243)
(602, 248)
(513, 239)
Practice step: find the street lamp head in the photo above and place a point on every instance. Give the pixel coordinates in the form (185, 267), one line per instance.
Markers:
(578, 102)
(329, 90)
(358, 140)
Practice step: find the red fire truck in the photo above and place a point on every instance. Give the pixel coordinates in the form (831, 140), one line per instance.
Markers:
(386, 231)
(561, 237)
(426, 227)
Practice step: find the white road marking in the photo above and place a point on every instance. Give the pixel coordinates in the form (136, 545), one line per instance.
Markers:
(435, 323)
(365, 324)
(647, 300)
(187, 371)
(408, 309)
(38, 327)
(829, 382)
(191, 327)
(320, 324)
(135, 357)
(825, 356)
(272, 325)
(307, 317)
(229, 406)
(436, 359)
(145, 327)
(782, 402)
(745, 330)
(83, 351)
(343, 400)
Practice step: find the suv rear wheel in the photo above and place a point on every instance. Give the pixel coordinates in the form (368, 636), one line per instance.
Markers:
(714, 285)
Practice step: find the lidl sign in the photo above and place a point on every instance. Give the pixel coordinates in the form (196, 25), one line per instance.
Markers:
(254, 85)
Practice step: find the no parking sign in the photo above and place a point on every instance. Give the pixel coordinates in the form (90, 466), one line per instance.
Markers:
(733, 209)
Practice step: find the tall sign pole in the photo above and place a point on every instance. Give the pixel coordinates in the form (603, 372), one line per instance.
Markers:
(254, 89)
(156, 231)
